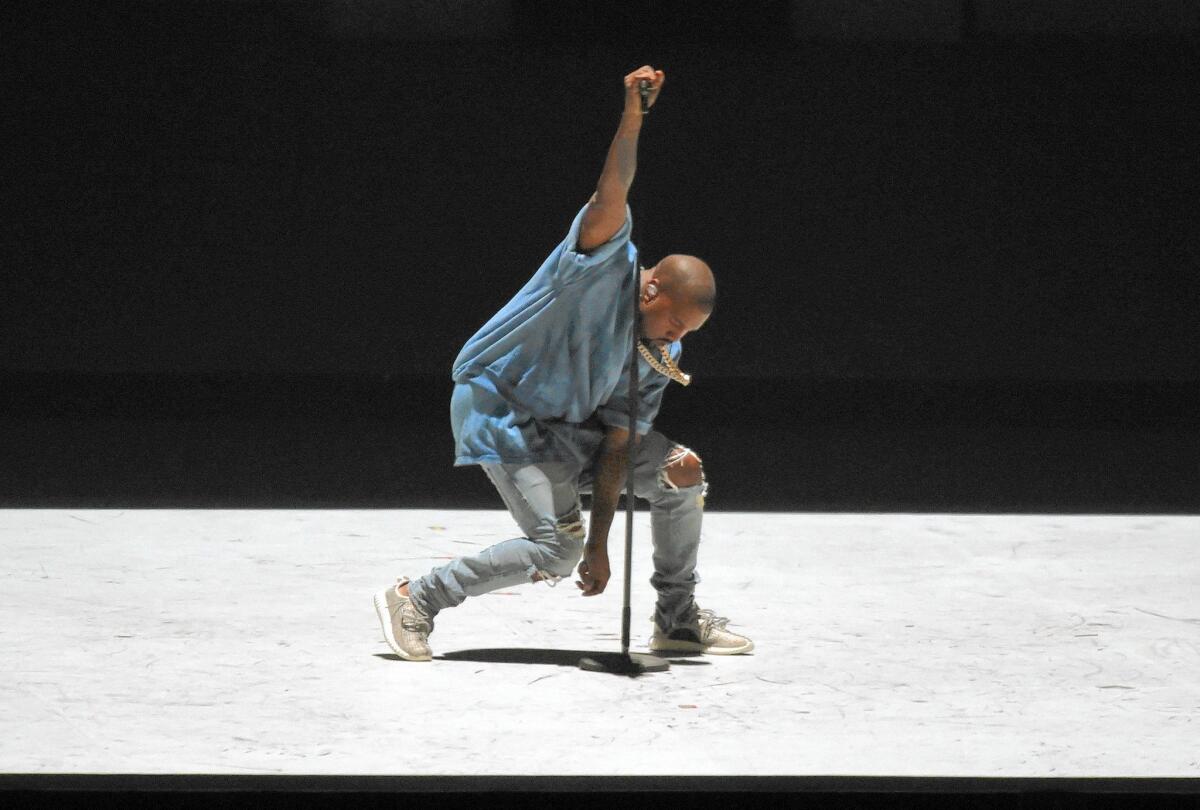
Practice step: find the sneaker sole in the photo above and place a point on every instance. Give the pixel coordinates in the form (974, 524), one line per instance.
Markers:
(694, 646)
(385, 621)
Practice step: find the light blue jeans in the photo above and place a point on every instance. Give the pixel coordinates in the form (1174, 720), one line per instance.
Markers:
(544, 501)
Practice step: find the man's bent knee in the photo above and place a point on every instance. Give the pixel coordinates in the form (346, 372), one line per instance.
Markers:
(683, 468)
(569, 536)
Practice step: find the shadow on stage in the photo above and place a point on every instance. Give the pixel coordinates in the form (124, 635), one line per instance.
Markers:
(521, 655)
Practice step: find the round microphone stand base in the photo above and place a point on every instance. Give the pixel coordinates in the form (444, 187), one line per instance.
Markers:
(623, 663)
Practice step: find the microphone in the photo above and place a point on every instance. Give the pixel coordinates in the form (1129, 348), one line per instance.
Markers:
(644, 92)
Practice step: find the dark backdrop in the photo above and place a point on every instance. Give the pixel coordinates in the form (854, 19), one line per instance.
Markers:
(935, 259)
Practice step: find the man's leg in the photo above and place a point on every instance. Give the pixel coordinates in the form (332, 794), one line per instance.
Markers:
(671, 478)
(544, 501)
(676, 512)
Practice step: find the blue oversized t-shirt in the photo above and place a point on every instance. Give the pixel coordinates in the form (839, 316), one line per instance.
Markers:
(534, 381)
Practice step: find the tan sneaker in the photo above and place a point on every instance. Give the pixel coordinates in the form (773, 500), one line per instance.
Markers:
(705, 634)
(405, 628)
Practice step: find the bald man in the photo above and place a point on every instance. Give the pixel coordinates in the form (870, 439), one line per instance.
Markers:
(541, 404)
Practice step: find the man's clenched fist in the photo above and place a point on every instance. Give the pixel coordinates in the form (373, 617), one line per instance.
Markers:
(633, 100)
(593, 571)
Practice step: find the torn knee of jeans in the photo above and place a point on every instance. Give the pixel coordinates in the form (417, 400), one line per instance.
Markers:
(670, 486)
(571, 526)
(549, 577)
(677, 458)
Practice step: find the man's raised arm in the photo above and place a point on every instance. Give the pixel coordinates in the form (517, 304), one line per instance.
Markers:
(606, 210)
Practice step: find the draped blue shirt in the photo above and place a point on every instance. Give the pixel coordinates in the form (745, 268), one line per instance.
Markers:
(543, 377)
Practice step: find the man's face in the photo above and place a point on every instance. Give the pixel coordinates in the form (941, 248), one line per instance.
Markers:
(665, 321)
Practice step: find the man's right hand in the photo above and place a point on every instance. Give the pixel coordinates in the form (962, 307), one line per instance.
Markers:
(633, 99)
(593, 570)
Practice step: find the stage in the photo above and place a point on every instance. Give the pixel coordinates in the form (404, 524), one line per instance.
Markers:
(244, 642)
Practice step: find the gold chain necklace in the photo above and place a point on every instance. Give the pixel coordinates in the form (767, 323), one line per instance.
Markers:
(667, 367)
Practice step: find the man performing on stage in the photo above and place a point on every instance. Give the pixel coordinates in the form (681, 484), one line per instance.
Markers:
(541, 404)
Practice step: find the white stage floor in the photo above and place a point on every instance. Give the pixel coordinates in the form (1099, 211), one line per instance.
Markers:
(244, 642)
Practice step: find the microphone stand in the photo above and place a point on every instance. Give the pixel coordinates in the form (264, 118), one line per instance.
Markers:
(626, 663)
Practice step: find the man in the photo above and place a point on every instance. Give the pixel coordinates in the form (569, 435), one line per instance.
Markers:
(541, 404)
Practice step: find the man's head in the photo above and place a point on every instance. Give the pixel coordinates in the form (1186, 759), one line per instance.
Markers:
(678, 295)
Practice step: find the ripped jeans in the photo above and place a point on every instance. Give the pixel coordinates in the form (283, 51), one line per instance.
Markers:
(544, 500)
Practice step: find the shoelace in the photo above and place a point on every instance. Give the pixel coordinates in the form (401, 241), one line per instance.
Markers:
(412, 619)
(710, 621)
(415, 622)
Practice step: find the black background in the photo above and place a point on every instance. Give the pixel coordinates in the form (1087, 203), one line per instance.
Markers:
(241, 247)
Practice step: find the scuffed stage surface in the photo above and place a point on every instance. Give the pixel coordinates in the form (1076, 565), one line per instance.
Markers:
(244, 642)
